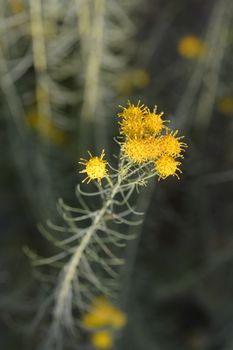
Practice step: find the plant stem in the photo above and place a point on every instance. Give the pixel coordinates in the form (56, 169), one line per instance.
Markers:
(71, 267)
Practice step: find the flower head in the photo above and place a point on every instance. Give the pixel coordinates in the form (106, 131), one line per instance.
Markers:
(95, 167)
(132, 123)
(171, 145)
(104, 313)
(191, 46)
(133, 127)
(102, 340)
(167, 166)
(139, 122)
(153, 122)
(142, 150)
(133, 111)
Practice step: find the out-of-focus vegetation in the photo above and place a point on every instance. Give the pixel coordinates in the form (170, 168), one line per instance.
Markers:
(65, 66)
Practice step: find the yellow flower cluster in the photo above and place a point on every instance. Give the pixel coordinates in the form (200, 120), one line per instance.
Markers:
(138, 121)
(103, 314)
(146, 141)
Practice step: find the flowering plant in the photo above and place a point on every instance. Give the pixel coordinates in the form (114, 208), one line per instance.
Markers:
(91, 241)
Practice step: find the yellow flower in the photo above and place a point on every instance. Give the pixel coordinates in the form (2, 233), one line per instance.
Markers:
(171, 145)
(167, 166)
(142, 150)
(138, 121)
(153, 122)
(104, 313)
(225, 105)
(95, 167)
(133, 111)
(102, 340)
(191, 46)
(132, 123)
(133, 127)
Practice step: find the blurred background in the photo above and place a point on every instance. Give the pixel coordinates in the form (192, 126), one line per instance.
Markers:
(65, 66)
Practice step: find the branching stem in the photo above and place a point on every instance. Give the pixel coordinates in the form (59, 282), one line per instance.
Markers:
(71, 267)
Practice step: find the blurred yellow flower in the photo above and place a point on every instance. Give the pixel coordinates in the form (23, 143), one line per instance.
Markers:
(95, 167)
(225, 105)
(167, 166)
(45, 127)
(137, 78)
(103, 313)
(102, 340)
(190, 46)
